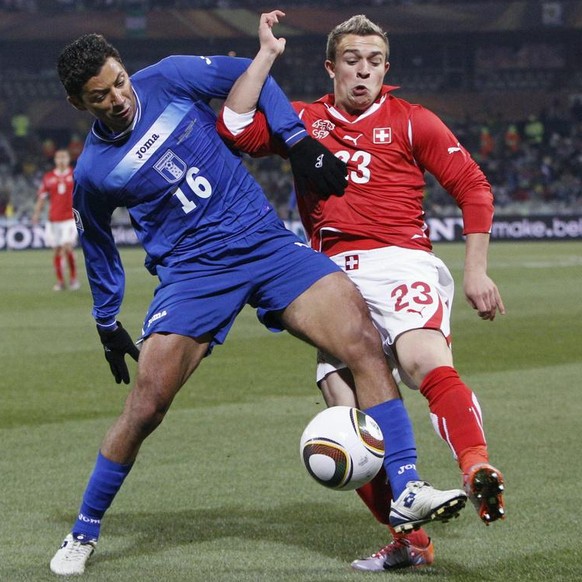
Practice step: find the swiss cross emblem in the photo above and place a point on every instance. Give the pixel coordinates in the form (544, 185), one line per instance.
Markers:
(352, 262)
(382, 135)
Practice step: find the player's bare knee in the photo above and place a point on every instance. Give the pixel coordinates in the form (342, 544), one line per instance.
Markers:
(150, 418)
(364, 345)
(418, 367)
(147, 410)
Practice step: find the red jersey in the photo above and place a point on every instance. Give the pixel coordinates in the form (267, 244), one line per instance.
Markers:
(387, 149)
(58, 187)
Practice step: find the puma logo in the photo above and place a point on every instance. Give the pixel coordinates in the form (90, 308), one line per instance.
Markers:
(354, 139)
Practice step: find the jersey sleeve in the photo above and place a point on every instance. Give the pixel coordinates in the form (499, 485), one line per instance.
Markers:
(255, 139)
(103, 263)
(437, 150)
(213, 77)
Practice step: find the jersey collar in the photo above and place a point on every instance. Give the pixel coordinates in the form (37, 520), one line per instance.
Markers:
(329, 101)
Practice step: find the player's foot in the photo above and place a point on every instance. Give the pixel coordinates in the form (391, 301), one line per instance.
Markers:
(74, 285)
(420, 503)
(484, 486)
(72, 556)
(58, 286)
(399, 553)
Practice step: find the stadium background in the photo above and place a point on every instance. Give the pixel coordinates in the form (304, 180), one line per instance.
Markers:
(505, 75)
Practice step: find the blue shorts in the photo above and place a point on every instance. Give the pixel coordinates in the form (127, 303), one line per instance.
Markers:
(267, 269)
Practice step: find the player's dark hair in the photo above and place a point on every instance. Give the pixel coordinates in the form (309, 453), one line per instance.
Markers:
(83, 59)
(359, 25)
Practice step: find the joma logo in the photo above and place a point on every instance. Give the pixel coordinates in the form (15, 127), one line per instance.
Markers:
(146, 146)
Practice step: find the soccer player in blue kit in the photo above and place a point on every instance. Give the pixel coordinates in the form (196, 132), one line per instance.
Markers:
(215, 244)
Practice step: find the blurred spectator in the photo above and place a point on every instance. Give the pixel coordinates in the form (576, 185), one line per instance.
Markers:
(534, 130)
(7, 155)
(512, 139)
(49, 147)
(486, 143)
(20, 129)
(75, 147)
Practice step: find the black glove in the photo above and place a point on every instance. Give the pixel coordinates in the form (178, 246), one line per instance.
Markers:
(117, 343)
(316, 169)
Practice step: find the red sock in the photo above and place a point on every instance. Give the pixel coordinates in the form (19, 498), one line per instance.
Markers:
(456, 415)
(418, 538)
(72, 265)
(58, 264)
(377, 495)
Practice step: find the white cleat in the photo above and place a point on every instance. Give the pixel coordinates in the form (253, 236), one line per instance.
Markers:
(399, 553)
(72, 556)
(420, 503)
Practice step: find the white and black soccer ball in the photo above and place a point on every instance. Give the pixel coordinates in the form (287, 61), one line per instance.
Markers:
(342, 448)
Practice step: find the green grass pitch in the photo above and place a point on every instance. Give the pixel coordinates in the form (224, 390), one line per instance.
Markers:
(218, 492)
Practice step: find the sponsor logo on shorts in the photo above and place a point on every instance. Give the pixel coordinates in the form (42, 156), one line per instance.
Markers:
(157, 316)
(417, 311)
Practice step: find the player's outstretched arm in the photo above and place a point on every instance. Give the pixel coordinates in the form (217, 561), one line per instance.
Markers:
(314, 167)
(480, 290)
(244, 95)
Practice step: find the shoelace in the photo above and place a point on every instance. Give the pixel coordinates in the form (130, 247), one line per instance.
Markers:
(79, 549)
(394, 545)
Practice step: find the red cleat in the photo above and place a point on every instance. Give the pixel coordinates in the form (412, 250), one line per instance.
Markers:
(484, 486)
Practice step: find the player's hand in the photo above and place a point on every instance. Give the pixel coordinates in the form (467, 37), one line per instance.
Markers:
(267, 39)
(316, 169)
(483, 295)
(117, 343)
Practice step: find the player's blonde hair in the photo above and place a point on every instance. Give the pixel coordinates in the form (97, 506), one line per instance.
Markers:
(360, 25)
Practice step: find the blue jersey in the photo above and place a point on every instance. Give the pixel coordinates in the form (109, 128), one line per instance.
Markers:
(186, 192)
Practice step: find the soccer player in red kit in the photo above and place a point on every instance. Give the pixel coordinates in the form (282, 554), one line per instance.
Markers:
(377, 233)
(61, 234)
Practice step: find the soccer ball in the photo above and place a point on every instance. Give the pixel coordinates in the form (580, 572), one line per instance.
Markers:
(342, 448)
